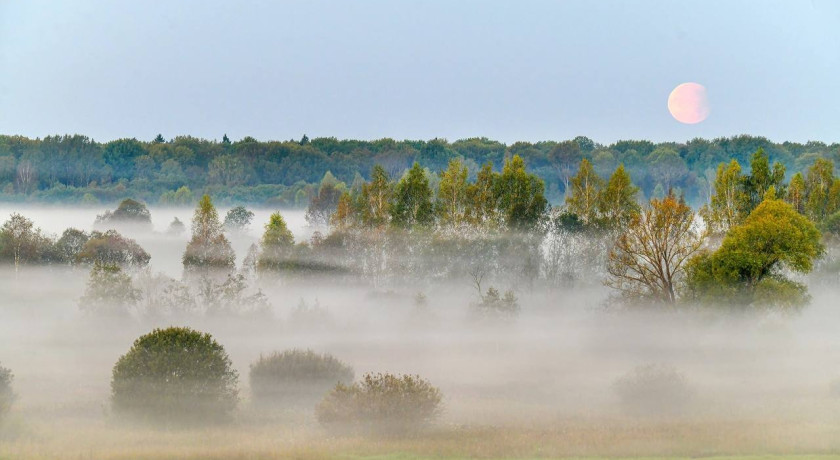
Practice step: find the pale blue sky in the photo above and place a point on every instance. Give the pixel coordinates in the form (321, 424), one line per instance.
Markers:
(508, 70)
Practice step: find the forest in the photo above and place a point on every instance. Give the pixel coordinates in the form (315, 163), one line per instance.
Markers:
(78, 170)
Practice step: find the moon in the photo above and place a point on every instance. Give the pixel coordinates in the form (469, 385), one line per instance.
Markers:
(688, 103)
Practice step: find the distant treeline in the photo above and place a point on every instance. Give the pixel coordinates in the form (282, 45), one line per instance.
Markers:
(76, 169)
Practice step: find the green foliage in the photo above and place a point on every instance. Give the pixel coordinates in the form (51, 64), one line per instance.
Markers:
(519, 196)
(277, 243)
(128, 212)
(748, 267)
(381, 404)
(375, 200)
(70, 245)
(22, 243)
(238, 219)
(296, 376)
(412, 205)
(653, 390)
(617, 203)
(452, 195)
(7, 396)
(495, 305)
(582, 198)
(175, 375)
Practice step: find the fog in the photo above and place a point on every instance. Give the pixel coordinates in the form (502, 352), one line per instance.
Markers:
(751, 376)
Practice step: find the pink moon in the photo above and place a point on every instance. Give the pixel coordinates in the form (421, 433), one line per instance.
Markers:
(688, 103)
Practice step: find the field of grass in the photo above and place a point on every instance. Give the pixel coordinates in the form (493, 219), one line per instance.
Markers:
(573, 439)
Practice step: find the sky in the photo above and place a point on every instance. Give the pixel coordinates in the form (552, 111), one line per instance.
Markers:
(507, 70)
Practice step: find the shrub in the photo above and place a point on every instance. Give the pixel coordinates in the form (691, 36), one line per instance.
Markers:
(7, 397)
(493, 304)
(653, 390)
(381, 404)
(175, 375)
(296, 376)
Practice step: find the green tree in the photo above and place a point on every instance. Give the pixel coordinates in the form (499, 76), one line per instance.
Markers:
(412, 204)
(564, 158)
(238, 219)
(21, 242)
(520, 195)
(208, 247)
(586, 188)
(175, 375)
(276, 245)
(482, 198)
(818, 181)
(376, 199)
(796, 194)
(7, 396)
(729, 200)
(617, 202)
(452, 199)
(761, 178)
(748, 268)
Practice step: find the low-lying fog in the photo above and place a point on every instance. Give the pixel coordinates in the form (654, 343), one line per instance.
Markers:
(558, 360)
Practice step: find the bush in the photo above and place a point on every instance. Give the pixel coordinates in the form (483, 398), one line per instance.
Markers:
(653, 390)
(7, 397)
(175, 375)
(381, 404)
(493, 304)
(296, 376)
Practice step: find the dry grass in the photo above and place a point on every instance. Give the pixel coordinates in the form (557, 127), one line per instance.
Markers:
(85, 439)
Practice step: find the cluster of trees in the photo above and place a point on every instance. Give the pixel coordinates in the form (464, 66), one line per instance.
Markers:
(286, 173)
(182, 376)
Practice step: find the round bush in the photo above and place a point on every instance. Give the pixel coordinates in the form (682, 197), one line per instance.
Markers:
(175, 375)
(653, 390)
(6, 394)
(296, 376)
(381, 404)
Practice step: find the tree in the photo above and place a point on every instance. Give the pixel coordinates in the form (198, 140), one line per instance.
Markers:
(109, 292)
(208, 247)
(412, 206)
(761, 178)
(617, 202)
(227, 170)
(344, 216)
(376, 199)
(112, 249)
(818, 181)
(452, 200)
(324, 204)
(128, 212)
(749, 265)
(7, 396)
(276, 245)
(175, 375)
(381, 404)
(21, 242)
(482, 197)
(796, 194)
(565, 157)
(649, 258)
(296, 376)
(666, 166)
(70, 245)
(519, 195)
(585, 191)
(238, 219)
(729, 200)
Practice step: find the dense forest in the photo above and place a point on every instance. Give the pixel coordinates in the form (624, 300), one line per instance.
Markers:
(77, 169)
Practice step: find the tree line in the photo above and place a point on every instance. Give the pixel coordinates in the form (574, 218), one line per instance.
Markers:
(178, 171)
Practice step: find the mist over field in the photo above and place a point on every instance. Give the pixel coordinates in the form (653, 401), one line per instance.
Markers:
(753, 380)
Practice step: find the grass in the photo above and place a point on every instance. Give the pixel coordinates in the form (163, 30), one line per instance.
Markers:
(100, 440)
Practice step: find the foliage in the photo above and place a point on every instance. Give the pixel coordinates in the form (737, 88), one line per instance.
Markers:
(617, 203)
(519, 195)
(324, 204)
(412, 200)
(383, 404)
(653, 390)
(749, 266)
(70, 245)
(495, 305)
(451, 205)
(112, 249)
(22, 243)
(582, 198)
(175, 375)
(276, 245)
(296, 376)
(176, 227)
(648, 258)
(208, 248)
(7, 396)
(238, 219)
(128, 212)
(109, 292)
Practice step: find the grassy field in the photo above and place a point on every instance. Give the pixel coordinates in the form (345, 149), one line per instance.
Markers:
(573, 439)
